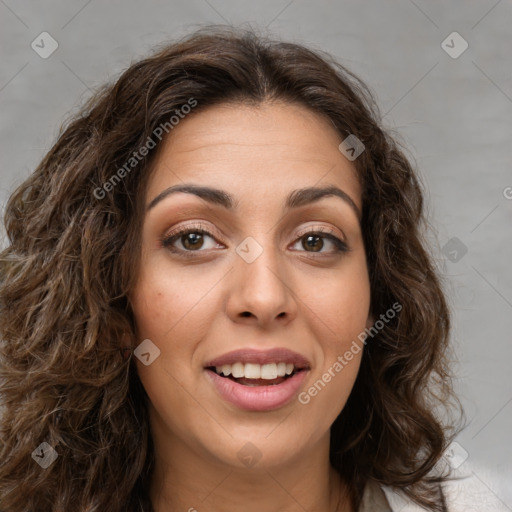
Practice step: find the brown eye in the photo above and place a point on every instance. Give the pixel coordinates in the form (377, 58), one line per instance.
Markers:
(313, 242)
(192, 240)
(189, 241)
(321, 242)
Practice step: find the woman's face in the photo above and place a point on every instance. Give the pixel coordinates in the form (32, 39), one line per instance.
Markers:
(252, 274)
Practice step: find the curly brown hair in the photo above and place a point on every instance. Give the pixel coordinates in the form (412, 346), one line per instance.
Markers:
(72, 258)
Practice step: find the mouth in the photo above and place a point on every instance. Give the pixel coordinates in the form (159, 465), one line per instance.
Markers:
(258, 380)
(253, 374)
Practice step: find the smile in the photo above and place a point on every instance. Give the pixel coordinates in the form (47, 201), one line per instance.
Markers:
(258, 380)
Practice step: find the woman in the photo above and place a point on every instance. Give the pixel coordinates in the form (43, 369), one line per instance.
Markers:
(217, 296)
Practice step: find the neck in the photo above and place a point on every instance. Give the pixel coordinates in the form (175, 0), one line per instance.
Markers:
(190, 480)
(231, 491)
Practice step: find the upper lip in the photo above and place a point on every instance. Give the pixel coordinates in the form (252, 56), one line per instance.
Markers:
(247, 355)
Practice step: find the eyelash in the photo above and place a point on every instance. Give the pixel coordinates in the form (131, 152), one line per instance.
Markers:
(168, 240)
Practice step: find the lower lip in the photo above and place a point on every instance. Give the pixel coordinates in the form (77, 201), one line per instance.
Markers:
(257, 398)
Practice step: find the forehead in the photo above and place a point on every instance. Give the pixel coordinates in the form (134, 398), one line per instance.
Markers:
(270, 147)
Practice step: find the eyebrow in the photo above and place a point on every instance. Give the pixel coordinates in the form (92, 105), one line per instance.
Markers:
(295, 199)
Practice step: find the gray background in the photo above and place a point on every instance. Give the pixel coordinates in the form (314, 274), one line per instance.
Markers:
(454, 115)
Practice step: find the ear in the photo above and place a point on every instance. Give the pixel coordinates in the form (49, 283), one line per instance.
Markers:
(126, 341)
(126, 346)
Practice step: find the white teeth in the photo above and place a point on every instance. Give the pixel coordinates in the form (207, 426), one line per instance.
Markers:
(267, 371)
(237, 370)
(252, 371)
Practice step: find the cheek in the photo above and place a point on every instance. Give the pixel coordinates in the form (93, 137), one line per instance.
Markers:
(343, 304)
(173, 316)
(173, 310)
(175, 323)
(327, 392)
(340, 311)
(167, 302)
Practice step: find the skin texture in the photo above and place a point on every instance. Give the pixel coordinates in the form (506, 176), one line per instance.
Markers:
(315, 303)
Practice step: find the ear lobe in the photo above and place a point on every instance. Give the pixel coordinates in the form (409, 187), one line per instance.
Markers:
(126, 346)
(126, 341)
(370, 321)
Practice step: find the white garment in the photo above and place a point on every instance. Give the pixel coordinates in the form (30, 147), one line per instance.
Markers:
(471, 493)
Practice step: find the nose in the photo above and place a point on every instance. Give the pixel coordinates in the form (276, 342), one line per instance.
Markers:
(261, 291)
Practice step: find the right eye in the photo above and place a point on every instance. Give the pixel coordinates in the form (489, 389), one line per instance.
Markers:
(190, 239)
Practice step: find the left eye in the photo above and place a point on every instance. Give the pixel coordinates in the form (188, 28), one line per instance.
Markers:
(316, 241)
